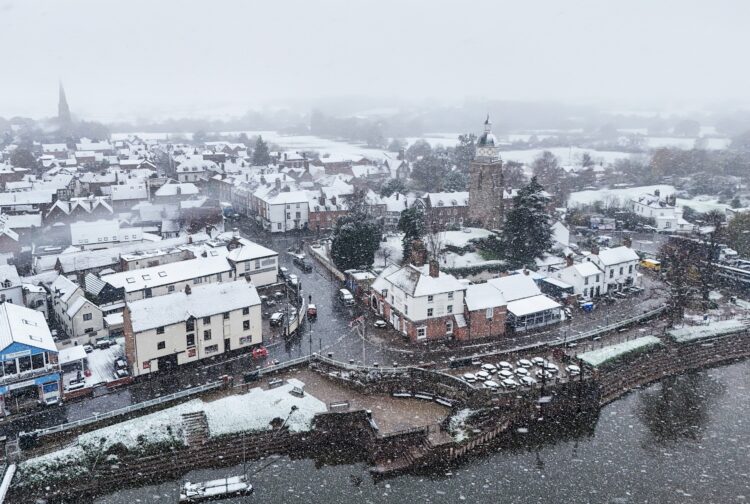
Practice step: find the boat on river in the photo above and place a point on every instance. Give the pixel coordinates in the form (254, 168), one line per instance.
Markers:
(214, 490)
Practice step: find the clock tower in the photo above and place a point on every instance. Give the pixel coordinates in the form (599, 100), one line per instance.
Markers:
(486, 187)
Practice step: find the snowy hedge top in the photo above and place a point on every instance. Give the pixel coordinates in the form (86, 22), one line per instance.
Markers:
(714, 329)
(604, 355)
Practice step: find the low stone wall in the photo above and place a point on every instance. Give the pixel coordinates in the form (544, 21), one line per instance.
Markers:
(672, 359)
(325, 262)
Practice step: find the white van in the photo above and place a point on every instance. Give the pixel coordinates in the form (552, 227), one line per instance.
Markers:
(346, 297)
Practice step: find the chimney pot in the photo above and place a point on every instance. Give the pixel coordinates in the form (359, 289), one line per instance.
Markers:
(569, 260)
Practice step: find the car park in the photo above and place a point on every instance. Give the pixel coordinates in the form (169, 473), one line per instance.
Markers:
(509, 383)
(277, 319)
(469, 377)
(522, 371)
(504, 365)
(490, 368)
(505, 373)
(526, 363)
(483, 375)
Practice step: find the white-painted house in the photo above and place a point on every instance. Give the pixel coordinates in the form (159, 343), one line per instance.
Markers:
(103, 234)
(285, 211)
(586, 278)
(77, 316)
(619, 265)
(666, 216)
(204, 321)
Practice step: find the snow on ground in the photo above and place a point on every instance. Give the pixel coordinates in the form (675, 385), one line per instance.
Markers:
(566, 155)
(463, 237)
(102, 363)
(686, 143)
(702, 204)
(610, 353)
(623, 195)
(336, 148)
(457, 424)
(393, 246)
(252, 411)
(713, 329)
(255, 410)
(452, 260)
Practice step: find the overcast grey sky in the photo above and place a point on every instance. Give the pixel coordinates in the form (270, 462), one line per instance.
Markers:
(129, 58)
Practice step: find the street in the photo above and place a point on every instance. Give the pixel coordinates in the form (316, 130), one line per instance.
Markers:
(330, 333)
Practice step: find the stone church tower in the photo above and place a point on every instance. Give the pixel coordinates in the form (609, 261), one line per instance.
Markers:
(486, 185)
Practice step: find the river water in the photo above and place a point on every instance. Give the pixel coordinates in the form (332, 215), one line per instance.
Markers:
(683, 440)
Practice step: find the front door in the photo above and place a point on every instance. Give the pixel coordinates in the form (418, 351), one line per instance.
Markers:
(227, 346)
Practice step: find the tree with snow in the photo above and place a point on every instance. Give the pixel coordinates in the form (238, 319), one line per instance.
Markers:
(392, 186)
(429, 171)
(527, 233)
(454, 181)
(418, 149)
(465, 151)
(355, 241)
(411, 223)
(261, 153)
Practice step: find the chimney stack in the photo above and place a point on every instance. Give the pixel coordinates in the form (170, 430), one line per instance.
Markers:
(595, 249)
(418, 253)
(526, 272)
(627, 241)
(187, 290)
(569, 260)
(434, 268)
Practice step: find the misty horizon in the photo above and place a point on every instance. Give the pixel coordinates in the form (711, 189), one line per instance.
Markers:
(139, 60)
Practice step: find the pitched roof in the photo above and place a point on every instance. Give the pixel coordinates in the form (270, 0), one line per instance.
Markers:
(24, 325)
(203, 301)
(533, 304)
(166, 274)
(617, 255)
(483, 296)
(417, 282)
(514, 287)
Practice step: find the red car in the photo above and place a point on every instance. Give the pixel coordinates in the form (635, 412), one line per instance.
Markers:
(260, 352)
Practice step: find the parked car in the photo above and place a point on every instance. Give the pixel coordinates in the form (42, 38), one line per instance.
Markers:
(346, 297)
(490, 368)
(122, 373)
(292, 280)
(260, 352)
(380, 324)
(102, 343)
(505, 373)
(522, 371)
(552, 368)
(302, 264)
(88, 348)
(573, 370)
(121, 363)
(277, 318)
(469, 377)
(283, 272)
(504, 365)
(75, 385)
(538, 361)
(525, 363)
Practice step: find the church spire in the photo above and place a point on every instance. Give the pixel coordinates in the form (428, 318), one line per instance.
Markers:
(63, 111)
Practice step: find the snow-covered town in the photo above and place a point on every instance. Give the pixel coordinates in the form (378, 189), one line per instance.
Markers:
(335, 298)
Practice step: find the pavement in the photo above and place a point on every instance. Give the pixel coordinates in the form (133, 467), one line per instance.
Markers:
(330, 333)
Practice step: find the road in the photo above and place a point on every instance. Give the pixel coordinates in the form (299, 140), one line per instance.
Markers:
(331, 333)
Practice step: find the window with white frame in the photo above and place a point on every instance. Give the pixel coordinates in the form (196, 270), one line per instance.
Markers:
(489, 313)
(450, 295)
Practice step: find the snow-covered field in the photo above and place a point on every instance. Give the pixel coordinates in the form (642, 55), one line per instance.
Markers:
(702, 204)
(393, 248)
(623, 195)
(686, 143)
(613, 352)
(566, 155)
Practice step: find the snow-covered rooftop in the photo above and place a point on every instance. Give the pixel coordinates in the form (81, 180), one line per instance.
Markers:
(533, 304)
(166, 274)
(203, 301)
(483, 296)
(514, 287)
(617, 255)
(25, 326)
